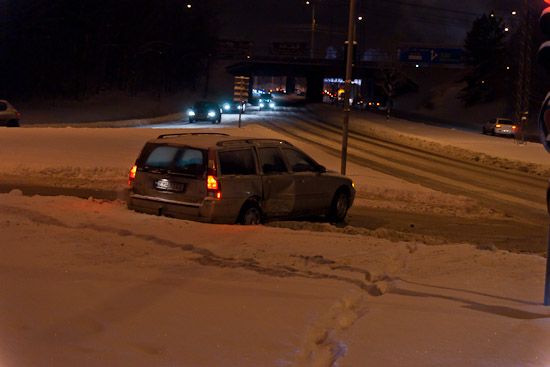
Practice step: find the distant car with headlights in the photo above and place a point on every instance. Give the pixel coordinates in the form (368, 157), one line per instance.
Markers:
(499, 126)
(205, 111)
(266, 102)
(213, 177)
(9, 116)
(233, 107)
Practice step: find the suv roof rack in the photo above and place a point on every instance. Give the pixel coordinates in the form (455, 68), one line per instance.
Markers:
(179, 134)
(252, 141)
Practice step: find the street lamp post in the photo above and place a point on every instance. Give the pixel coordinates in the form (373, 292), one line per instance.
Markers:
(347, 85)
(313, 24)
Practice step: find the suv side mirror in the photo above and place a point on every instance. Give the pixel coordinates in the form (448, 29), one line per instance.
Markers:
(321, 169)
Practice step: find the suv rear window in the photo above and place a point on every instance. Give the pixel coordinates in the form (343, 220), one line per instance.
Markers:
(180, 160)
(237, 162)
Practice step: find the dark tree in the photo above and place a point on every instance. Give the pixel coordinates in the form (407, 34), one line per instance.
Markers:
(484, 54)
(74, 49)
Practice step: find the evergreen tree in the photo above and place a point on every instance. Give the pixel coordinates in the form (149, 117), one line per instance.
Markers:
(484, 54)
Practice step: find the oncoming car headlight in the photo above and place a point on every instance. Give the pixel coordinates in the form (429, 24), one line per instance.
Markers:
(226, 106)
(211, 113)
(272, 105)
(262, 105)
(191, 113)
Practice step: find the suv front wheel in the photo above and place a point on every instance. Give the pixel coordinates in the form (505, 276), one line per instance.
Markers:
(339, 207)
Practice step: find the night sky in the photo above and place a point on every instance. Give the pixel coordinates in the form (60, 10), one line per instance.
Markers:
(387, 23)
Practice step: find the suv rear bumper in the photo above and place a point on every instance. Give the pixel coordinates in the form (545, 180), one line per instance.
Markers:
(209, 210)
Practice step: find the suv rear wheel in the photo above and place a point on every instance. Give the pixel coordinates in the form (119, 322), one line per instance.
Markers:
(250, 214)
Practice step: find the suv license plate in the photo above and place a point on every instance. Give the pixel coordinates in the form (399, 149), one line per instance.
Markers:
(166, 185)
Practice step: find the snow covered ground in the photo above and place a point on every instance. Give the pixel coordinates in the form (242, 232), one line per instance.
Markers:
(90, 283)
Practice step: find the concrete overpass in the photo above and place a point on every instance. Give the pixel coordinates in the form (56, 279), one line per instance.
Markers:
(314, 70)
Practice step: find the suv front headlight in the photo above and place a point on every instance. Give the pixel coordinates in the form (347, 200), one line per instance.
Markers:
(191, 113)
(211, 113)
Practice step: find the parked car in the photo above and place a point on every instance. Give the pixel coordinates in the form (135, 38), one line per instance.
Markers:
(231, 106)
(205, 111)
(213, 177)
(9, 116)
(266, 102)
(499, 126)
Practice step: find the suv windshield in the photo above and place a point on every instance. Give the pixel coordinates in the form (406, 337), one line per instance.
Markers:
(182, 160)
(266, 96)
(204, 105)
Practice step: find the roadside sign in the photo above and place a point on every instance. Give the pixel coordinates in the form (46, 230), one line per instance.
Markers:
(430, 55)
(240, 88)
(544, 123)
(241, 85)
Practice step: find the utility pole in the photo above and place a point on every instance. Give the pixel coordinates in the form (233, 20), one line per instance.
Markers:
(313, 24)
(523, 85)
(347, 85)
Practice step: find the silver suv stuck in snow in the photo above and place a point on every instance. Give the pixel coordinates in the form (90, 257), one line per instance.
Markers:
(213, 177)
(9, 116)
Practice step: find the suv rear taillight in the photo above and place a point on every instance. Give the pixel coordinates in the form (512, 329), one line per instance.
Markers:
(213, 188)
(132, 175)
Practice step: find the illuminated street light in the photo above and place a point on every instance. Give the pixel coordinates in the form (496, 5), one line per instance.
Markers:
(188, 6)
(359, 18)
(506, 29)
(514, 12)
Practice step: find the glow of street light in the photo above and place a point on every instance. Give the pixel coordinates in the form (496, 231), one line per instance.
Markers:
(188, 6)
(359, 18)
(506, 29)
(307, 2)
(514, 12)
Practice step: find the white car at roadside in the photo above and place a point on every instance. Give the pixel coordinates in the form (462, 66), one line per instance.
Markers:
(500, 126)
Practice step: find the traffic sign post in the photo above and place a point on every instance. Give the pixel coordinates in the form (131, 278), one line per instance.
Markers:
(240, 92)
(544, 129)
(544, 134)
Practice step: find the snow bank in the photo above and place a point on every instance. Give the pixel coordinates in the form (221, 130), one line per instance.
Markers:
(90, 283)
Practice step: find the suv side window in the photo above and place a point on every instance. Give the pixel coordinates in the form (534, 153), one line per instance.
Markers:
(3, 106)
(271, 160)
(237, 162)
(298, 161)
